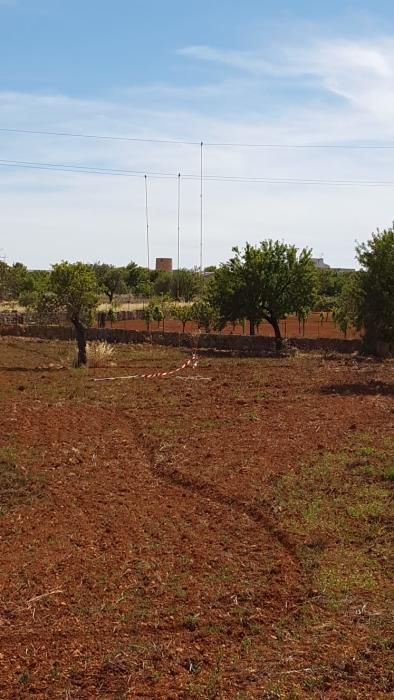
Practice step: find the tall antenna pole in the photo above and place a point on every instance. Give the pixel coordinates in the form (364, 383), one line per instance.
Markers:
(147, 221)
(179, 228)
(201, 203)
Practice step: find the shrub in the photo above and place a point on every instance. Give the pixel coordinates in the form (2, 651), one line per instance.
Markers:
(99, 354)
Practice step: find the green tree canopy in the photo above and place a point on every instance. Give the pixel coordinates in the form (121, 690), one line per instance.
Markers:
(137, 279)
(186, 284)
(264, 282)
(110, 279)
(374, 295)
(182, 313)
(330, 285)
(36, 283)
(162, 283)
(72, 288)
(345, 306)
(4, 280)
(14, 281)
(205, 315)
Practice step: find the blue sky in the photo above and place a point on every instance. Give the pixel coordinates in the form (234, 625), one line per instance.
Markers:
(225, 71)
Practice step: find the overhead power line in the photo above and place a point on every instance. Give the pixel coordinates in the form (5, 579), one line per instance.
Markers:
(97, 136)
(140, 139)
(89, 170)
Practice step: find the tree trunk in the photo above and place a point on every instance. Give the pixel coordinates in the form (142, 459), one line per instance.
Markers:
(183, 326)
(278, 336)
(80, 332)
(252, 326)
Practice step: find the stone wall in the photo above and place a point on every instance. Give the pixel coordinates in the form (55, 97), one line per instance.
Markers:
(237, 344)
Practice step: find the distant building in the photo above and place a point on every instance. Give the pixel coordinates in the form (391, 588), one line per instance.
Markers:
(164, 264)
(321, 265)
(319, 262)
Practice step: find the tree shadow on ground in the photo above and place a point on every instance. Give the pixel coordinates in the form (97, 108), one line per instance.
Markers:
(371, 388)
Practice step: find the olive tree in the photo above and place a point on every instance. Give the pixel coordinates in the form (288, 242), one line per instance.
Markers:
(72, 288)
(264, 283)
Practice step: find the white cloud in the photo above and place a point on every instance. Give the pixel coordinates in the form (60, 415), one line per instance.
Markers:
(47, 216)
(250, 62)
(359, 71)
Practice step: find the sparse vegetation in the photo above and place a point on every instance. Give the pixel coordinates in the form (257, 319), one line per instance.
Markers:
(191, 564)
(99, 354)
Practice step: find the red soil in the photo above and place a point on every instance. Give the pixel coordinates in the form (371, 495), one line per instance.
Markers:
(140, 557)
(290, 328)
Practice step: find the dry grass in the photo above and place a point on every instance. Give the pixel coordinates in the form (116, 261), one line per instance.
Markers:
(99, 354)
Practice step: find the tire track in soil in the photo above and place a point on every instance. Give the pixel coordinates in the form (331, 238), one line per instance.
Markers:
(165, 470)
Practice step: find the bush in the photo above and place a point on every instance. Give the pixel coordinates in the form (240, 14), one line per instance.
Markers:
(99, 354)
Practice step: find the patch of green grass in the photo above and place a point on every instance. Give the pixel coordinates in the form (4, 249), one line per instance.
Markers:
(389, 474)
(366, 451)
(345, 573)
(340, 506)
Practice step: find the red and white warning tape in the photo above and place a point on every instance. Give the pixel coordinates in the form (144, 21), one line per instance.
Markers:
(193, 362)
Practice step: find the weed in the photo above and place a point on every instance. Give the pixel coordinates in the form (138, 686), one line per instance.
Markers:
(191, 622)
(25, 678)
(389, 474)
(253, 416)
(366, 451)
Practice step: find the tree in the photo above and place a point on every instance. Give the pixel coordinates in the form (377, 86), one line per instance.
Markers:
(157, 310)
(110, 279)
(264, 283)
(137, 279)
(373, 293)
(183, 313)
(162, 283)
(36, 284)
(345, 309)
(302, 315)
(185, 284)
(72, 287)
(14, 280)
(330, 285)
(4, 280)
(147, 313)
(204, 314)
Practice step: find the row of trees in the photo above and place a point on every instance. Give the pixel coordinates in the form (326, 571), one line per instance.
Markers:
(180, 284)
(259, 283)
(17, 283)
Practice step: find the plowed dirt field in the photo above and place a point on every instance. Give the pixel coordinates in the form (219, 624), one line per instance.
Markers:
(176, 538)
